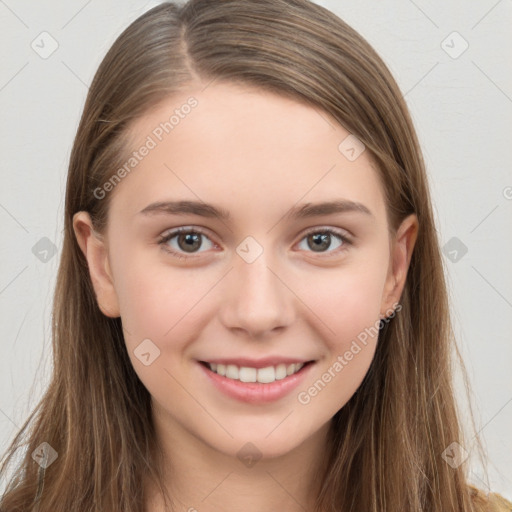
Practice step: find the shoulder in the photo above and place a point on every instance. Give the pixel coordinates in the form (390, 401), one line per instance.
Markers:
(491, 502)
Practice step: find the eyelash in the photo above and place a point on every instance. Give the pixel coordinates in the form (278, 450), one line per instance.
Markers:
(165, 238)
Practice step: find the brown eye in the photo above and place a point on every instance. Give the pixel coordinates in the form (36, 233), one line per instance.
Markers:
(321, 240)
(188, 241)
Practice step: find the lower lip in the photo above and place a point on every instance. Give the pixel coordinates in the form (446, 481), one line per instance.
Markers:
(256, 392)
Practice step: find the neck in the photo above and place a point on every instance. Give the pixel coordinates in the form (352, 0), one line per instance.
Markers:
(199, 477)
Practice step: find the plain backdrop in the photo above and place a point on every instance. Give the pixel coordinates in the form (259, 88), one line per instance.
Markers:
(451, 59)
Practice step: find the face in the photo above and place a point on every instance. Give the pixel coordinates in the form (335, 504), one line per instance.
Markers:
(259, 279)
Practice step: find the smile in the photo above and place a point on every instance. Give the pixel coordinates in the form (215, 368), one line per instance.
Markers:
(248, 374)
(261, 385)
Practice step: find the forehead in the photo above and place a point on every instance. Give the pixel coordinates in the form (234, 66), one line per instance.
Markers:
(246, 149)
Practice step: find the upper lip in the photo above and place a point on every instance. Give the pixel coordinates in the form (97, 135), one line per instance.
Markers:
(257, 363)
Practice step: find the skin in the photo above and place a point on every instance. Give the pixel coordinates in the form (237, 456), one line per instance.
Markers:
(256, 155)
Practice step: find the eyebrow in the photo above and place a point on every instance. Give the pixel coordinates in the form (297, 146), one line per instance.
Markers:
(305, 210)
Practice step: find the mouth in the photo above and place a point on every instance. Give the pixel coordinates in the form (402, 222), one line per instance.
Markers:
(258, 384)
(257, 373)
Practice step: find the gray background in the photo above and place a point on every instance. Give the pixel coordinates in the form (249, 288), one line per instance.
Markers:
(460, 101)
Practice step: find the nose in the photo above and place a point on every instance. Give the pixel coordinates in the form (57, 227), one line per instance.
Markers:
(256, 297)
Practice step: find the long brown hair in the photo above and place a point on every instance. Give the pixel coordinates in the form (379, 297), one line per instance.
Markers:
(388, 440)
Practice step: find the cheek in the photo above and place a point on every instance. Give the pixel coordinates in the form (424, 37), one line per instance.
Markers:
(351, 311)
(162, 305)
(159, 302)
(346, 301)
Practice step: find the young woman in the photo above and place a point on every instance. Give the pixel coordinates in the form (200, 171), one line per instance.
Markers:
(251, 312)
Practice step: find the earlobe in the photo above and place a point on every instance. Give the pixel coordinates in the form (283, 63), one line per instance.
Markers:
(95, 251)
(403, 247)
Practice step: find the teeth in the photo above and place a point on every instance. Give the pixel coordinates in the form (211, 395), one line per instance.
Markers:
(232, 371)
(266, 375)
(280, 371)
(248, 374)
(262, 375)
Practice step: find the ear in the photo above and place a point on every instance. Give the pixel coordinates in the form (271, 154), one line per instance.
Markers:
(95, 251)
(401, 252)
